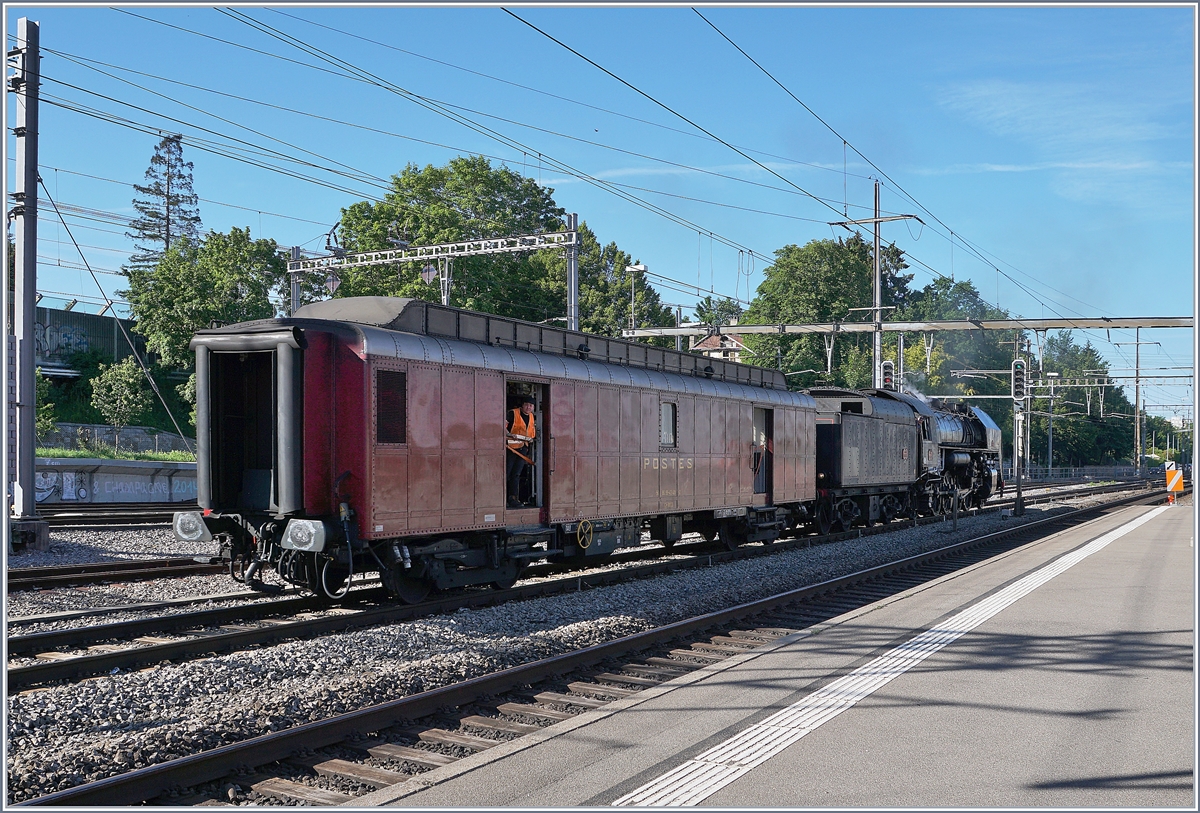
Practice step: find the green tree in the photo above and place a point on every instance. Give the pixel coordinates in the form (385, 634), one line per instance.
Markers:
(964, 351)
(167, 206)
(120, 395)
(466, 199)
(223, 278)
(718, 311)
(817, 283)
(44, 422)
(604, 287)
(1081, 436)
(72, 397)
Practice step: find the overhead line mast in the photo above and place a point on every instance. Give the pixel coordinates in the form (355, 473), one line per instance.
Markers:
(24, 83)
(877, 307)
(445, 253)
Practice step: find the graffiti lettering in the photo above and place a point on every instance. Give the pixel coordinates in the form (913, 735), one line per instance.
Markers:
(58, 341)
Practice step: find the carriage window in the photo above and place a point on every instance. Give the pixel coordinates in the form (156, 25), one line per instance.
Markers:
(391, 406)
(666, 430)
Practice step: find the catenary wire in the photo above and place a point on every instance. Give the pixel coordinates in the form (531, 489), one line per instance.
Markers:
(477, 127)
(133, 349)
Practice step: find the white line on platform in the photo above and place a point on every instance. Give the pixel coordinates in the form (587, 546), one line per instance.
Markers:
(698, 778)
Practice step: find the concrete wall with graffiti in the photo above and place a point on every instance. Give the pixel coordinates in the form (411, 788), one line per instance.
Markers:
(86, 480)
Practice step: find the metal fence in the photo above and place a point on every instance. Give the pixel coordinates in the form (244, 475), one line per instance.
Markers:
(1075, 473)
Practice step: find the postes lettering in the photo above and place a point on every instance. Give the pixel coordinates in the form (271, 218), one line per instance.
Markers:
(667, 463)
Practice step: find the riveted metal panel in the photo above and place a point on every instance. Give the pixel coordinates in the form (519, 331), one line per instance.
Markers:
(553, 340)
(473, 327)
(528, 336)
(441, 321)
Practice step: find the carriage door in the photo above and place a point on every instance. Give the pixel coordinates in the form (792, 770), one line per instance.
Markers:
(533, 478)
(763, 451)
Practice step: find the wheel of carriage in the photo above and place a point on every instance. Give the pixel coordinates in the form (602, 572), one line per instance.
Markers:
(733, 534)
(408, 589)
(510, 577)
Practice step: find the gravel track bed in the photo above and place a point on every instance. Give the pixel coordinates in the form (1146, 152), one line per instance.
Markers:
(65, 735)
(72, 547)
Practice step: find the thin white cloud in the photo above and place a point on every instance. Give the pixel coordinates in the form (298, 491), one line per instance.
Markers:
(1042, 166)
(1094, 141)
(1059, 117)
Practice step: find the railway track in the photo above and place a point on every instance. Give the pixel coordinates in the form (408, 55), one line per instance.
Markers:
(73, 654)
(416, 733)
(110, 515)
(45, 578)
(100, 516)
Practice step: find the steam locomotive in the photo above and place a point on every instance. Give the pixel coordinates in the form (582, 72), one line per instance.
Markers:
(368, 434)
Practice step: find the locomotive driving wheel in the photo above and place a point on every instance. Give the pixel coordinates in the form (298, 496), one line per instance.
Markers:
(845, 513)
(824, 518)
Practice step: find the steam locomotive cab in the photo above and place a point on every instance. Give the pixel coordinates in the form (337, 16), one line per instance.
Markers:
(969, 443)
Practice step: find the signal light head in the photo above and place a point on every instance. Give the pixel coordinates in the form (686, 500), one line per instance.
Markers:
(1018, 380)
(887, 376)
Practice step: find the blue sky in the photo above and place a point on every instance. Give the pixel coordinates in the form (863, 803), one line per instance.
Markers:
(1056, 144)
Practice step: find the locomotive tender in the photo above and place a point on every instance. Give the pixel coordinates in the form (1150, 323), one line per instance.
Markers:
(368, 434)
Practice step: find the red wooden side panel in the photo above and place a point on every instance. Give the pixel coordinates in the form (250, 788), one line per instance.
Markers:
(703, 426)
(586, 428)
(457, 445)
(586, 444)
(718, 477)
(631, 409)
(318, 424)
(562, 430)
(489, 446)
(687, 449)
(739, 424)
(351, 426)
(609, 420)
(702, 472)
(784, 443)
(424, 447)
(651, 478)
(458, 409)
(806, 454)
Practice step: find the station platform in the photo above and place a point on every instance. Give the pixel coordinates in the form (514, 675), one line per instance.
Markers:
(1060, 674)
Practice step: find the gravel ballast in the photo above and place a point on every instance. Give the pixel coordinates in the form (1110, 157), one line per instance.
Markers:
(65, 735)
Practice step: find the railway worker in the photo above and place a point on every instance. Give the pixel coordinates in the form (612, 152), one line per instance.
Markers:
(520, 434)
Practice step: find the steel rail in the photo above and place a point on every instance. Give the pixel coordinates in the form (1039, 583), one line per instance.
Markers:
(82, 568)
(18, 581)
(149, 782)
(204, 643)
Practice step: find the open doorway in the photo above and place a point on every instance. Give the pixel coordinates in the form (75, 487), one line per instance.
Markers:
(762, 456)
(525, 442)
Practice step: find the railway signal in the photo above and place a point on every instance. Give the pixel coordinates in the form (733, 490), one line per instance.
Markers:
(888, 374)
(1018, 380)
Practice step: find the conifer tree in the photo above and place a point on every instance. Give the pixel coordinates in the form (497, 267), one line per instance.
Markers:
(167, 206)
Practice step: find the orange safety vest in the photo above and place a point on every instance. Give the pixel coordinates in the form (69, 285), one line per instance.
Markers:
(521, 426)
